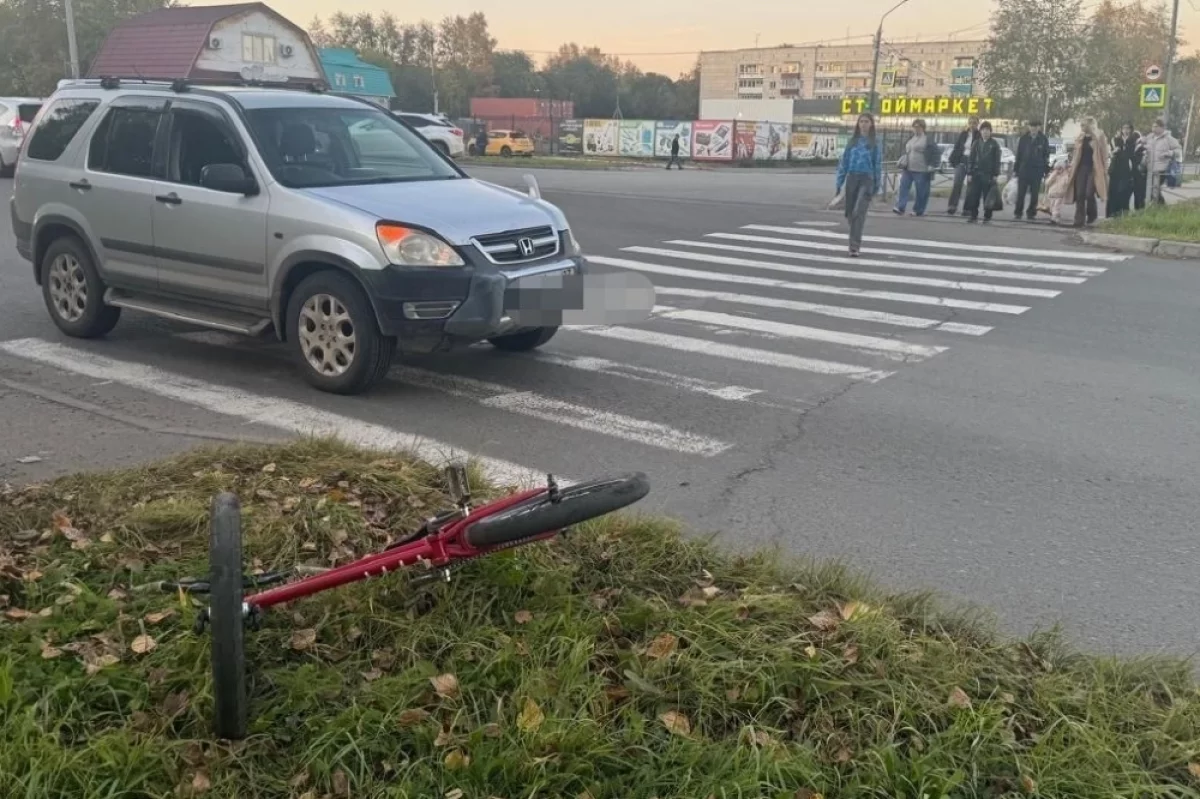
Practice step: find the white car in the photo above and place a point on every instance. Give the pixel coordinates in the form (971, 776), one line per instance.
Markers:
(16, 114)
(437, 130)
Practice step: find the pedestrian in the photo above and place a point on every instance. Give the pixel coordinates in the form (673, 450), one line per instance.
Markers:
(920, 158)
(1123, 170)
(1087, 176)
(1033, 159)
(481, 142)
(1056, 187)
(674, 154)
(860, 176)
(959, 156)
(1161, 149)
(1139, 175)
(983, 166)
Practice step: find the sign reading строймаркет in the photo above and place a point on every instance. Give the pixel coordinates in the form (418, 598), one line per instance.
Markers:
(927, 106)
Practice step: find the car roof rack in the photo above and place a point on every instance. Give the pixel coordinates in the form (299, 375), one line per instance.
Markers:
(180, 85)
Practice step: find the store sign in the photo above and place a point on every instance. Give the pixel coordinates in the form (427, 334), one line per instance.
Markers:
(926, 106)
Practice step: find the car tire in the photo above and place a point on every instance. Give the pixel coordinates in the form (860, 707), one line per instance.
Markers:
(335, 308)
(6, 170)
(524, 341)
(442, 148)
(73, 291)
(506, 152)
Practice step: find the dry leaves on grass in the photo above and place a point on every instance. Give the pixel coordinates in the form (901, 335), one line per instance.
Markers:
(445, 686)
(662, 646)
(49, 651)
(826, 621)
(959, 698)
(341, 783)
(160, 616)
(303, 639)
(676, 723)
(62, 523)
(201, 782)
(1029, 787)
(412, 717)
(1194, 770)
(18, 614)
(523, 617)
(457, 759)
(531, 717)
(143, 644)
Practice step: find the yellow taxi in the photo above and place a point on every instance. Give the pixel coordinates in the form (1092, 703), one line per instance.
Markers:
(508, 143)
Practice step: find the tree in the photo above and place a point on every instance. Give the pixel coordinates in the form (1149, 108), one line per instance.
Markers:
(1034, 63)
(515, 75)
(1122, 39)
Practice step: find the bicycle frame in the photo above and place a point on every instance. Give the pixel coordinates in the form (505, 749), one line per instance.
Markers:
(442, 547)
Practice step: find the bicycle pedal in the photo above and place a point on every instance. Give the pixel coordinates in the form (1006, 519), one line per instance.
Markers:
(458, 483)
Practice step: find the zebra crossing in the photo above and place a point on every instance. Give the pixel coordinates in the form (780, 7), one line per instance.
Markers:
(767, 318)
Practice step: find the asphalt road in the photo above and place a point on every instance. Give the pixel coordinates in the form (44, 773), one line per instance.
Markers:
(987, 411)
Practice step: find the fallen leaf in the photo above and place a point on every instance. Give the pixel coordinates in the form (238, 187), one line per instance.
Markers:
(444, 738)
(843, 755)
(851, 609)
(143, 644)
(733, 694)
(299, 781)
(742, 613)
(531, 716)
(456, 759)
(102, 662)
(17, 614)
(32, 576)
(303, 639)
(1194, 770)
(372, 675)
(523, 617)
(445, 685)
(454, 793)
(762, 738)
(492, 730)
(46, 612)
(959, 698)
(160, 616)
(61, 521)
(1030, 787)
(29, 459)
(412, 717)
(269, 468)
(676, 723)
(662, 646)
(1007, 698)
(616, 693)
(851, 654)
(117, 594)
(107, 538)
(811, 651)
(175, 703)
(710, 592)
(201, 782)
(825, 621)
(693, 599)
(341, 783)
(50, 652)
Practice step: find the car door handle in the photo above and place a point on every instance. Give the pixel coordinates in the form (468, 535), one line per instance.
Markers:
(169, 199)
(82, 185)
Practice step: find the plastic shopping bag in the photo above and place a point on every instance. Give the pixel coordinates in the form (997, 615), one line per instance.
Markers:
(994, 200)
(1010, 192)
(838, 202)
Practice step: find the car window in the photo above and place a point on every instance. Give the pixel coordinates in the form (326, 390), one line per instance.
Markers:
(309, 147)
(416, 122)
(123, 143)
(497, 135)
(198, 139)
(3, 110)
(27, 111)
(58, 127)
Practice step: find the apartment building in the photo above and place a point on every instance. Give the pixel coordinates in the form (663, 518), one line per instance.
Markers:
(906, 68)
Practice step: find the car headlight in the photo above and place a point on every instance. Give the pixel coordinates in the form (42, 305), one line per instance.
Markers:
(408, 247)
(573, 247)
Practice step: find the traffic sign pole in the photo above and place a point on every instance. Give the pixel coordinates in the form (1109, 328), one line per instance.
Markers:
(1170, 66)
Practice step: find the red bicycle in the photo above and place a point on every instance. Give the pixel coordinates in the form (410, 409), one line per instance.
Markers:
(442, 543)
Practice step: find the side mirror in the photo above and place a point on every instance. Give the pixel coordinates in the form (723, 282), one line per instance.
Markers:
(534, 190)
(229, 178)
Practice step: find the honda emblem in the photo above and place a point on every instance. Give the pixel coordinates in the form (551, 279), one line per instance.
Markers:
(525, 246)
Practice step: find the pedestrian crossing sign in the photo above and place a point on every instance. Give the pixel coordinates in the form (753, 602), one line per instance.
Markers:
(1154, 95)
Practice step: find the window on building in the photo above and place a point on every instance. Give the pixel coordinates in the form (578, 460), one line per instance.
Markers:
(359, 82)
(791, 68)
(920, 82)
(258, 48)
(59, 124)
(941, 81)
(339, 79)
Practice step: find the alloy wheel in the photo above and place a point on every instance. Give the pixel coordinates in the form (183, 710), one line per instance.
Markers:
(68, 287)
(327, 335)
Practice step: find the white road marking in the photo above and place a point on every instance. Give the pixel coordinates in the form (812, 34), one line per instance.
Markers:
(970, 271)
(835, 311)
(529, 403)
(902, 349)
(971, 257)
(276, 412)
(645, 374)
(874, 277)
(734, 352)
(812, 288)
(962, 246)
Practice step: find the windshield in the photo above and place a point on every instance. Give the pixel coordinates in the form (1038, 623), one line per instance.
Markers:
(309, 147)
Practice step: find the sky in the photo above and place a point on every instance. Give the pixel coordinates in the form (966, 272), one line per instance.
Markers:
(665, 37)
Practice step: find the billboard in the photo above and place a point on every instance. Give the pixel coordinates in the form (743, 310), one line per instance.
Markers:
(570, 137)
(600, 136)
(816, 143)
(712, 141)
(771, 141)
(743, 140)
(637, 138)
(665, 132)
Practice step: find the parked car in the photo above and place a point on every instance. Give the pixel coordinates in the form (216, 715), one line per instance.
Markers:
(437, 129)
(16, 114)
(253, 210)
(506, 143)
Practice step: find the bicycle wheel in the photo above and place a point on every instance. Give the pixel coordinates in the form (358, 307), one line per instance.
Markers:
(576, 504)
(225, 618)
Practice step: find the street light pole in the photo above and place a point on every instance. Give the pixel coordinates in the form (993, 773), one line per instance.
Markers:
(1170, 66)
(878, 45)
(72, 49)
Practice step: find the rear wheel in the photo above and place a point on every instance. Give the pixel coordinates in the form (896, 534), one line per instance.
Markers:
(576, 504)
(226, 619)
(442, 147)
(524, 341)
(74, 292)
(6, 170)
(506, 151)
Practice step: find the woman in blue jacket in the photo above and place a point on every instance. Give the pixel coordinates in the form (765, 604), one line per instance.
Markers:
(860, 173)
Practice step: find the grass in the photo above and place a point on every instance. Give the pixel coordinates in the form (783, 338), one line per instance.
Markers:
(623, 661)
(1179, 222)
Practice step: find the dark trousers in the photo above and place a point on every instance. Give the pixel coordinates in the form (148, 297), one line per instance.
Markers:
(960, 175)
(859, 188)
(1031, 185)
(676, 160)
(1120, 191)
(1085, 196)
(1139, 190)
(977, 193)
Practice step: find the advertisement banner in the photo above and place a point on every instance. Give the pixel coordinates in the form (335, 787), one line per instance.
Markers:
(637, 138)
(712, 141)
(814, 143)
(771, 141)
(570, 137)
(600, 136)
(665, 132)
(743, 140)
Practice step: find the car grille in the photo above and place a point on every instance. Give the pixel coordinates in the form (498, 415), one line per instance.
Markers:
(506, 248)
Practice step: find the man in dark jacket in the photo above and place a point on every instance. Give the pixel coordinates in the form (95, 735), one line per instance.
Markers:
(1033, 159)
(674, 154)
(958, 160)
(984, 167)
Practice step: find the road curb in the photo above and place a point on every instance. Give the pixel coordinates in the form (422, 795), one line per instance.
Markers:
(1143, 246)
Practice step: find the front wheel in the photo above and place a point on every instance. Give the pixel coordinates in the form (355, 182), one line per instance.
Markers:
(506, 152)
(334, 336)
(575, 504)
(524, 341)
(226, 619)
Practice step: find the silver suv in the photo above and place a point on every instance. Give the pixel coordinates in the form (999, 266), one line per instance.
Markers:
(317, 218)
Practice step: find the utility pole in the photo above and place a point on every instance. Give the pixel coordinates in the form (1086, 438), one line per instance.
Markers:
(1171, 64)
(72, 49)
(433, 75)
(1187, 131)
(875, 64)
